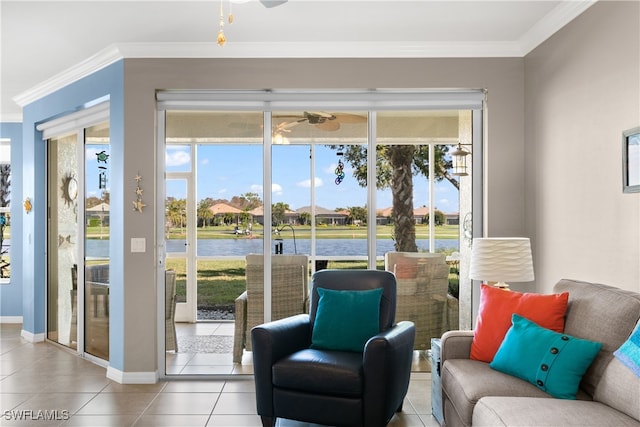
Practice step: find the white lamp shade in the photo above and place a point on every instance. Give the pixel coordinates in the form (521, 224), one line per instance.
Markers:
(503, 259)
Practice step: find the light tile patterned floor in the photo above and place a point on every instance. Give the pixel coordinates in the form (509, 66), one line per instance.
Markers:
(45, 377)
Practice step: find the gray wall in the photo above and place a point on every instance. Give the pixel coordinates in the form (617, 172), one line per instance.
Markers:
(582, 90)
(503, 79)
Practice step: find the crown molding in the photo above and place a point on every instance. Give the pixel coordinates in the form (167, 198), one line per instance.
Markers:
(100, 60)
(261, 50)
(557, 18)
(545, 28)
(10, 118)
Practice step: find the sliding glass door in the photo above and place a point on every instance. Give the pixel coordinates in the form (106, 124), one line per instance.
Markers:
(327, 185)
(78, 231)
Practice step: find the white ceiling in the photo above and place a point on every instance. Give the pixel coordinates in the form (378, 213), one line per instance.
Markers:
(43, 39)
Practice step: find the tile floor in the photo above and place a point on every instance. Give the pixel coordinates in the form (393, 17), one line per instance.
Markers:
(44, 378)
(206, 347)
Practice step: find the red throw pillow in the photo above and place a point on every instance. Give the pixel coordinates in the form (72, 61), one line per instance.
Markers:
(494, 316)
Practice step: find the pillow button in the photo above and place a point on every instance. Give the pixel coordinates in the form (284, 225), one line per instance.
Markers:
(554, 350)
(565, 338)
(544, 367)
(540, 383)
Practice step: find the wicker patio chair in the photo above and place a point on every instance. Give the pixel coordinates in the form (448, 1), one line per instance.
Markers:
(170, 337)
(423, 281)
(289, 294)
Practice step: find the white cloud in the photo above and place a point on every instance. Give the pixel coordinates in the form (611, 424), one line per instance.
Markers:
(275, 188)
(177, 157)
(204, 161)
(307, 183)
(222, 191)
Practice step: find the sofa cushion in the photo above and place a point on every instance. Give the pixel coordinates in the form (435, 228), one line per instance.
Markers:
(522, 411)
(345, 320)
(551, 361)
(466, 381)
(620, 389)
(599, 313)
(494, 316)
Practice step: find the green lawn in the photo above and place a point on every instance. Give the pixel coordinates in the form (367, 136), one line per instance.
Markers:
(221, 282)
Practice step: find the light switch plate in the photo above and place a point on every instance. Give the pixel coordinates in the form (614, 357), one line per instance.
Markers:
(138, 244)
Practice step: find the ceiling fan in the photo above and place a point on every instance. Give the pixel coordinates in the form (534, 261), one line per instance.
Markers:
(272, 3)
(320, 119)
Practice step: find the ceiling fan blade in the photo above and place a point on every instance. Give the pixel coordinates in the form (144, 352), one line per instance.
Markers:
(350, 118)
(272, 3)
(329, 125)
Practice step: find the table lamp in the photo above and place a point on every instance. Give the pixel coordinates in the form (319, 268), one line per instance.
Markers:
(501, 259)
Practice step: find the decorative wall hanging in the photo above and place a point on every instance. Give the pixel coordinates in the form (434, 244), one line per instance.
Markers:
(102, 157)
(27, 205)
(69, 189)
(340, 169)
(138, 205)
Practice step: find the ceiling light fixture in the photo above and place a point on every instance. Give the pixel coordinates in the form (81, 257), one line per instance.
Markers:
(222, 39)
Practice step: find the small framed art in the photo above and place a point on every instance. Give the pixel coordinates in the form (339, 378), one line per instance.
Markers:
(631, 160)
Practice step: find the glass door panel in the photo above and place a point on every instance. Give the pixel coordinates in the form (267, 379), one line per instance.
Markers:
(96, 246)
(62, 229)
(417, 213)
(325, 190)
(178, 247)
(229, 223)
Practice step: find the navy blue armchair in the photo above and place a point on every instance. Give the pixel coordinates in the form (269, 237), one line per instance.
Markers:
(336, 388)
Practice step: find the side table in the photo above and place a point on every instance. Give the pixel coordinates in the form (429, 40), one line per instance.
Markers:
(436, 388)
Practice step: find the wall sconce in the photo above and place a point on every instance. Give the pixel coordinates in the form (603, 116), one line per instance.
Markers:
(459, 157)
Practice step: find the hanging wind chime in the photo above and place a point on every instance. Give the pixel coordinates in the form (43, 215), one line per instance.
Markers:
(340, 168)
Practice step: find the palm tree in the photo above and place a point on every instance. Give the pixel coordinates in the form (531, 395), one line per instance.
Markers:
(395, 167)
(204, 213)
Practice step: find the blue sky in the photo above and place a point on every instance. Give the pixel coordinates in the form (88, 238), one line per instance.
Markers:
(225, 171)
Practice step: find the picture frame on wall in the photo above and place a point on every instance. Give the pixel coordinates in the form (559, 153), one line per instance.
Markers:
(631, 160)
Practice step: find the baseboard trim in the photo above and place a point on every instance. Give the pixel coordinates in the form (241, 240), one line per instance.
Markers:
(132, 377)
(31, 337)
(10, 319)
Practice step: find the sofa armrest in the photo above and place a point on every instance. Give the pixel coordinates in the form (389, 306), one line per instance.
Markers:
(455, 345)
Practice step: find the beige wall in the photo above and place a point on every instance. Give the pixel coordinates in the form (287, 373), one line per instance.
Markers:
(582, 90)
(503, 78)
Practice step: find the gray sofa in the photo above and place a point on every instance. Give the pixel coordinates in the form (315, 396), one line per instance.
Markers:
(609, 394)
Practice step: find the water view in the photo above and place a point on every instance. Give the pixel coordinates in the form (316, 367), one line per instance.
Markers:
(240, 247)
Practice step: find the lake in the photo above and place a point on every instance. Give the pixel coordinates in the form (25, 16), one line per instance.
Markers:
(243, 246)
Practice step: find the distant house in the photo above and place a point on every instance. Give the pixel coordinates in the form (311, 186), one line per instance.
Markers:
(325, 216)
(222, 209)
(385, 216)
(98, 214)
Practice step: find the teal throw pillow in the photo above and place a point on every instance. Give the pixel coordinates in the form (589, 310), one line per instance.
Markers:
(345, 320)
(629, 352)
(553, 362)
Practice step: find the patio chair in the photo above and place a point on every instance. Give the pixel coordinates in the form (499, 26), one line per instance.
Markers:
(97, 278)
(170, 340)
(289, 295)
(423, 282)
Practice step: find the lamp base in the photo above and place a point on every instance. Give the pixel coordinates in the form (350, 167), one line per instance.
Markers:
(501, 285)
